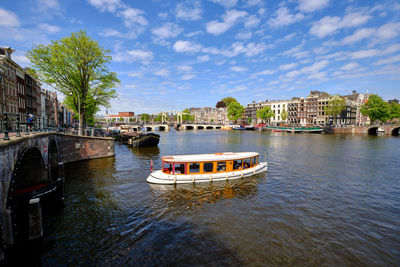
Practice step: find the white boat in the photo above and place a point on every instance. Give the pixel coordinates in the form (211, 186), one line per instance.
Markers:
(207, 168)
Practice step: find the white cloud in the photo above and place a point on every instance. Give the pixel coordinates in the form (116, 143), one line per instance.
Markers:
(287, 37)
(288, 66)
(203, 58)
(134, 55)
(388, 31)
(389, 60)
(8, 19)
(312, 5)
(188, 10)
(228, 20)
(350, 66)
(133, 16)
(195, 33)
(43, 6)
(330, 25)
(188, 76)
(237, 88)
(358, 35)
(253, 3)
(185, 68)
(107, 5)
(186, 47)
(251, 21)
(238, 69)
(48, 28)
(283, 17)
(168, 30)
(163, 72)
(313, 71)
(264, 72)
(364, 53)
(225, 3)
(244, 35)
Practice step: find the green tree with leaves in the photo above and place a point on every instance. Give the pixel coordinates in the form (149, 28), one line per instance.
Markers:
(228, 100)
(121, 119)
(77, 67)
(158, 118)
(394, 110)
(235, 111)
(265, 113)
(186, 116)
(376, 109)
(336, 105)
(249, 120)
(145, 117)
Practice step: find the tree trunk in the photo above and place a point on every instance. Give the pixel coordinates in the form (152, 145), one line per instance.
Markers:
(81, 123)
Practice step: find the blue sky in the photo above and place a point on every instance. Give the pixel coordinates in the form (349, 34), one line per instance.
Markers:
(170, 55)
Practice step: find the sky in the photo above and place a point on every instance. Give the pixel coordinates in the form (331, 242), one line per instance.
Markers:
(171, 55)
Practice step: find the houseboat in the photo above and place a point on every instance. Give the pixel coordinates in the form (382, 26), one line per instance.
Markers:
(207, 168)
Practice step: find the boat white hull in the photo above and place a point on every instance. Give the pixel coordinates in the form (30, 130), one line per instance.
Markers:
(158, 177)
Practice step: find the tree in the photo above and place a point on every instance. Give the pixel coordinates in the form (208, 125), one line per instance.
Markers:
(77, 67)
(376, 109)
(394, 110)
(186, 117)
(265, 113)
(228, 100)
(158, 118)
(220, 104)
(121, 119)
(235, 111)
(284, 115)
(336, 105)
(145, 117)
(249, 120)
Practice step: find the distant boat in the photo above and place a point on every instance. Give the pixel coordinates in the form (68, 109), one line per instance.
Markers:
(139, 139)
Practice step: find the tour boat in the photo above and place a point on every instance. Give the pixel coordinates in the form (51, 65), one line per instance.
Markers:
(207, 168)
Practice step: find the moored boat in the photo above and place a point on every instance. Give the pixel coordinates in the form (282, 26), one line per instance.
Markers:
(138, 139)
(207, 168)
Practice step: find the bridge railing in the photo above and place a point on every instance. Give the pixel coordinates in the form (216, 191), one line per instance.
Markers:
(13, 125)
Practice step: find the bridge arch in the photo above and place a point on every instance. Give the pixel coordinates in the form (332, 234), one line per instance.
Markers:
(161, 128)
(209, 127)
(373, 130)
(189, 127)
(217, 127)
(149, 128)
(200, 127)
(396, 131)
(29, 173)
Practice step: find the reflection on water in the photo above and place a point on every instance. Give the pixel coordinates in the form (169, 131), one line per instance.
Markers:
(326, 200)
(196, 195)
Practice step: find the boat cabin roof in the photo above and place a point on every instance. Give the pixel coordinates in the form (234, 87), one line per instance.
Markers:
(210, 157)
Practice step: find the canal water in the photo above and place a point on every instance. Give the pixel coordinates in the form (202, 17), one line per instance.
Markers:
(325, 200)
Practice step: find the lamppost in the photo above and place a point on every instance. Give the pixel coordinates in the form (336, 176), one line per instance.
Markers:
(79, 112)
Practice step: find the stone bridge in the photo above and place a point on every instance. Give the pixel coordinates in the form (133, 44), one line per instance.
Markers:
(148, 127)
(370, 129)
(29, 163)
(197, 127)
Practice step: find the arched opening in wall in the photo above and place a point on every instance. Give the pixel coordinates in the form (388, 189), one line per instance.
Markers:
(396, 131)
(28, 177)
(209, 128)
(134, 129)
(373, 131)
(161, 128)
(53, 161)
(217, 127)
(149, 129)
(189, 127)
(200, 127)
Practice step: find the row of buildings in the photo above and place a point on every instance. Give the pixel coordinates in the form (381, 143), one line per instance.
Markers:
(22, 94)
(310, 110)
(305, 111)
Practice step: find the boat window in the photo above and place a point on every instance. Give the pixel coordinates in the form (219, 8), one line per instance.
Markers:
(208, 167)
(167, 168)
(254, 160)
(237, 164)
(194, 167)
(246, 163)
(179, 168)
(221, 166)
